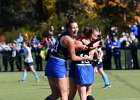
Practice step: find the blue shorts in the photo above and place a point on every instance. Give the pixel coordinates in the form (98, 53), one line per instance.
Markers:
(84, 74)
(56, 67)
(72, 69)
(28, 64)
(98, 64)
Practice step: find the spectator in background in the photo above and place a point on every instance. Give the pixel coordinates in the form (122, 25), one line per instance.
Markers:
(0, 55)
(108, 44)
(114, 31)
(134, 52)
(37, 47)
(51, 44)
(62, 29)
(12, 55)
(19, 38)
(129, 60)
(138, 30)
(18, 58)
(134, 28)
(25, 37)
(123, 39)
(45, 41)
(5, 55)
(52, 30)
(35, 40)
(116, 47)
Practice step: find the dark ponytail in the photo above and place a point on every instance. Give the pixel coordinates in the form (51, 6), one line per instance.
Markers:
(70, 19)
(87, 31)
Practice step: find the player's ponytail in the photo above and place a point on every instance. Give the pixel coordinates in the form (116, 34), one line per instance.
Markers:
(70, 19)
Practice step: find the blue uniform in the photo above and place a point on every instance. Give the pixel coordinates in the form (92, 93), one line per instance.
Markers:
(82, 71)
(56, 65)
(84, 74)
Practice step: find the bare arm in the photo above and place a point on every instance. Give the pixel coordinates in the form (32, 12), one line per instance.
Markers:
(95, 45)
(79, 45)
(101, 54)
(68, 42)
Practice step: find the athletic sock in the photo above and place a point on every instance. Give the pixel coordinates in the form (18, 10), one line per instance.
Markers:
(36, 75)
(105, 78)
(24, 76)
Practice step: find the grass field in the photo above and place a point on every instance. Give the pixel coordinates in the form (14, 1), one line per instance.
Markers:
(125, 86)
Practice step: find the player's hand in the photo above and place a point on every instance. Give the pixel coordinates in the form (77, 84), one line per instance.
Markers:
(81, 47)
(112, 47)
(84, 47)
(26, 60)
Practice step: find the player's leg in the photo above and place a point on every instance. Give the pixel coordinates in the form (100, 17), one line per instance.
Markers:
(63, 87)
(88, 90)
(104, 76)
(72, 88)
(34, 72)
(82, 92)
(72, 84)
(54, 88)
(95, 69)
(23, 78)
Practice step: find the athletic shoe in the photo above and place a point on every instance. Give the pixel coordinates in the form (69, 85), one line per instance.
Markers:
(48, 97)
(107, 86)
(90, 97)
(38, 80)
(22, 81)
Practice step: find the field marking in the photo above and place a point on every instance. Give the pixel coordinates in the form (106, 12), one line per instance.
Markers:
(124, 82)
(125, 99)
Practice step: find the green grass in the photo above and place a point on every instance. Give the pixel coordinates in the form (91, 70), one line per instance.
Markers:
(125, 86)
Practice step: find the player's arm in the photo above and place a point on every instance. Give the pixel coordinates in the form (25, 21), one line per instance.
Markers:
(92, 52)
(94, 46)
(69, 44)
(101, 53)
(79, 46)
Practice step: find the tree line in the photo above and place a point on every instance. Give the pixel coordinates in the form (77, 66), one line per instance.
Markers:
(38, 15)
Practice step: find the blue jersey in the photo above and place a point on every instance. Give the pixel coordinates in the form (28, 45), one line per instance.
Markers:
(60, 51)
(82, 71)
(56, 64)
(108, 45)
(118, 48)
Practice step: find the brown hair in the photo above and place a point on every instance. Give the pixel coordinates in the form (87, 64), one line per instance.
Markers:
(70, 19)
(27, 43)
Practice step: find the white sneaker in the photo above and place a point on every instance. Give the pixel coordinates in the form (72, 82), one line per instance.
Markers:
(22, 81)
(107, 86)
